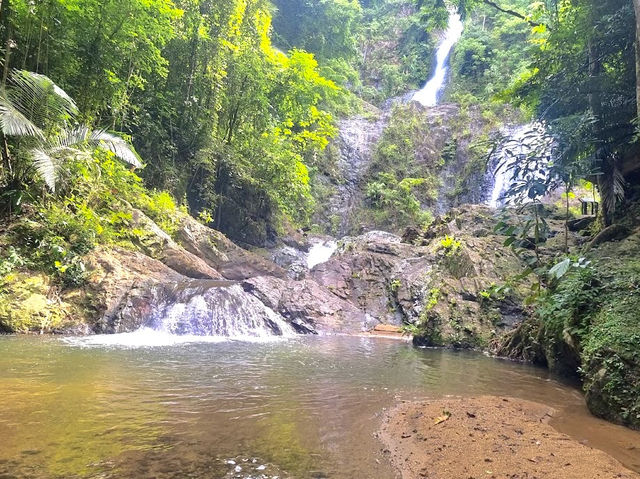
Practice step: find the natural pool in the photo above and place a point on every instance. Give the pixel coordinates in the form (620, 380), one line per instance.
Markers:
(305, 407)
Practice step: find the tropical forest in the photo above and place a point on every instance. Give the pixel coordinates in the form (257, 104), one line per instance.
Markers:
(320, 239)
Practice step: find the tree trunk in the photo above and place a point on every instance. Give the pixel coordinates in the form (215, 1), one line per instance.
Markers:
(6, 23)
(636, 7)
(603, 155)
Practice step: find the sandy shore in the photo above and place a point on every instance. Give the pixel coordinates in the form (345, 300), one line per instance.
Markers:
(488, 437)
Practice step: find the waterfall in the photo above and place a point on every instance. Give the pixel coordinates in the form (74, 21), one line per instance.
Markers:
(428, 96)
(320, 252)
(196, 310)
(519, 144)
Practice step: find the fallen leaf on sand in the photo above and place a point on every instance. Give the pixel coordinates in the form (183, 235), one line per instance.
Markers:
(445, 415)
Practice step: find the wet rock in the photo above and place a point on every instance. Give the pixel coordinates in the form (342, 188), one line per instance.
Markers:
(306, 305)
(117, 293)
(291, 259)
(412, 235)
(612, 383)
(580, 224)
(200, 308)
(441, 291)
(355, 145)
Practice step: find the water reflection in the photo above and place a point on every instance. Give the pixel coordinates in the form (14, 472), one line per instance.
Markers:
(301, 408)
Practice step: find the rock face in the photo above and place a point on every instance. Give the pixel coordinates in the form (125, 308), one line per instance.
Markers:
(358, 137)
(119, 282)
(128, 289)
(159, 245)
(307, 306)
(434, 287)
(231, 261)
(446, 144)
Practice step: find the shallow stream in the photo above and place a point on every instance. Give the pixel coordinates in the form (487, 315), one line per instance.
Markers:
(304, 407)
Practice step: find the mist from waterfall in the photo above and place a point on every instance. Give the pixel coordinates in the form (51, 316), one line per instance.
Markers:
(428, 96)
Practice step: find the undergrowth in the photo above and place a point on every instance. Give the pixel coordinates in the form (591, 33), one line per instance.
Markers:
(93, 206)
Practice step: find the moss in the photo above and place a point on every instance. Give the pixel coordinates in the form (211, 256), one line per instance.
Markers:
(590, 324)
(28, 303)
(611, 350)
(429, 334)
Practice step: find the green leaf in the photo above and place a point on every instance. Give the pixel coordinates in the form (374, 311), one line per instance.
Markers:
(560, 269)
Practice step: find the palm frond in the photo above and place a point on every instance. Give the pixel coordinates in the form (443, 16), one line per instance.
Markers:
(116, 145)
(14, 123)
(70, 138)
(46, 167)
(82, 136)
(38, 98)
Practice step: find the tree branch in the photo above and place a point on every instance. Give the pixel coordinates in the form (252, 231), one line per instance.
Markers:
(513, 13)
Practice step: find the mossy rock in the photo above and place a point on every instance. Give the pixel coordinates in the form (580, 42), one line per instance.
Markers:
(612, 356)
(29, 303)
(612, 388)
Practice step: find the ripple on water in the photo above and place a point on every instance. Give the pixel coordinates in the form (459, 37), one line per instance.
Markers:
(304, 407)
(148, 338)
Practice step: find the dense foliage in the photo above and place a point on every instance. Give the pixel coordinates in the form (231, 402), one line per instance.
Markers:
(377, 48)
(218, 114)
(494, 51)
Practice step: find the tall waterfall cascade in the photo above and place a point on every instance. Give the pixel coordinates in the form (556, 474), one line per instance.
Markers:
(428, 96)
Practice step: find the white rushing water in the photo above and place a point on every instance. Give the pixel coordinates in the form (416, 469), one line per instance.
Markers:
(520, 143)
(195, 311)
(320, 253)
(143, 337)
(428, 96)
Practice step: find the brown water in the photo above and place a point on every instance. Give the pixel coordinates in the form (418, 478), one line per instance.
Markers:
(304, 408)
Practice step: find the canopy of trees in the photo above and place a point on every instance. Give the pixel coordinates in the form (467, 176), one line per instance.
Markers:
(219, 115)
(233, 126)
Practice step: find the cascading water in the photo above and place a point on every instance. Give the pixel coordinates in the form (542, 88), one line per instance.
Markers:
(198, 310)
(428, 96)
(519, 144)
(320, 253)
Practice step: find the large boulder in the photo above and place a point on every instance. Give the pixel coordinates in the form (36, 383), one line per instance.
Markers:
(231, 261)
(434, 281)
(157, 244)
(119, 280)
(307, 306)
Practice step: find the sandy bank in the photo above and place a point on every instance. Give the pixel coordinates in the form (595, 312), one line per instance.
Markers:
(488, 437)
